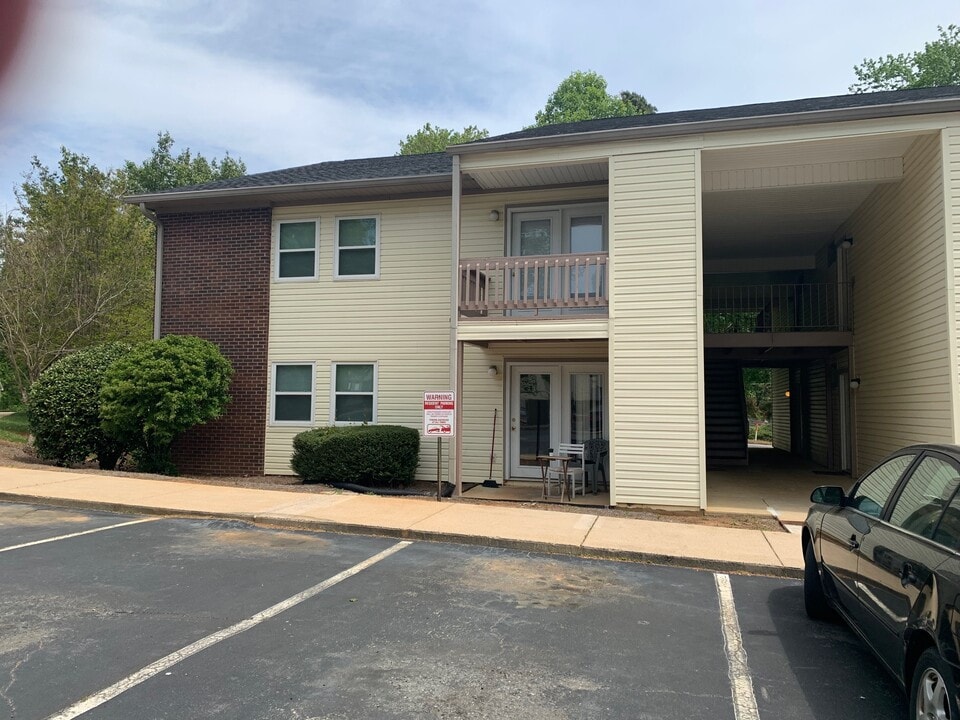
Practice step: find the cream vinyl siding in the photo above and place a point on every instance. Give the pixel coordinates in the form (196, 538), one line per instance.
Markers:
(951, 195)
(656, 338)
(780, 422)
(902, 339)
(400, 321)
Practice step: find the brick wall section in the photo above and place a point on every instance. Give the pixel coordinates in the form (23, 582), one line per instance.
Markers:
(216, 285)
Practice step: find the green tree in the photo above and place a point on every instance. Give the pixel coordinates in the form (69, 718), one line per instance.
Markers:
(936, 65)
(10, 398)
(637, 102)
(429, 139)
(164, 170)
(77, 267)
(583, 96)
(158, 390)
(757, 393)
(64, 408)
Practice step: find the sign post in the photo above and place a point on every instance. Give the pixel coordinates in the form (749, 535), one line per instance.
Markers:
(439, 421)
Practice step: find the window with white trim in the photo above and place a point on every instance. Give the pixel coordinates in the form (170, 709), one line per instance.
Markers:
(357, 247)
(297, 244)
(354, 393)
(292, 394)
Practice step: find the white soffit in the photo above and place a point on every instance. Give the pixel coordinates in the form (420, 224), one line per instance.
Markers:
(541, 175)
(788, 199)
(780, 222)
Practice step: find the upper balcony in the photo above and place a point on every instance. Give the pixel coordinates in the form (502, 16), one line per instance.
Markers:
(533, 287)
(782, 315)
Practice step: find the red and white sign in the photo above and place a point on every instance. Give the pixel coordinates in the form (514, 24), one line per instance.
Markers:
(439, 414)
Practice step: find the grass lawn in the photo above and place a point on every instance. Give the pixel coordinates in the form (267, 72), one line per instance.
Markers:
(14, 428)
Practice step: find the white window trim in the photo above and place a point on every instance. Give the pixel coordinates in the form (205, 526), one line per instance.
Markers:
(273, 394)
(333, 390)
(336, 248)
(277, 251)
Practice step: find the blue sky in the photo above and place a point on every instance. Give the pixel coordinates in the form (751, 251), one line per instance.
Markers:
(282, 83)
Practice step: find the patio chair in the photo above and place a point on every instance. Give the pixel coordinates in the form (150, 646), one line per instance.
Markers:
(595, 453)
(573, 472)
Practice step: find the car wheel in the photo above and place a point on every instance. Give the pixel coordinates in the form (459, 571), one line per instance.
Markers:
(932, 695)
(814, 599)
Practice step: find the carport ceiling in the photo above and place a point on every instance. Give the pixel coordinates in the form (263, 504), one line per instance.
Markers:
(779, 222)
(801, 193)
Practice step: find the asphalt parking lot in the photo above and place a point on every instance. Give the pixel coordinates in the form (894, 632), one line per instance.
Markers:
(122, 617)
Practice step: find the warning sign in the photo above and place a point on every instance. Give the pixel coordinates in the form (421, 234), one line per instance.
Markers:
(439, 414)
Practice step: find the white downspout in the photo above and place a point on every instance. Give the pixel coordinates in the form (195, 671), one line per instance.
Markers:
(158, 269)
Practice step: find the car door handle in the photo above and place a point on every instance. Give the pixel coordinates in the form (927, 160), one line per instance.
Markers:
(853, 543)
(908, 576)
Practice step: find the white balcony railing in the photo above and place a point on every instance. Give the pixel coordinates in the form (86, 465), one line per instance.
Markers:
(548, 285)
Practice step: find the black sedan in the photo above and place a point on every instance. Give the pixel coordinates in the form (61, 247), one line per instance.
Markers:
(886, 558)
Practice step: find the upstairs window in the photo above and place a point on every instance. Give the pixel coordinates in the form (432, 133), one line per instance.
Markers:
(297, 242)
(358, 247)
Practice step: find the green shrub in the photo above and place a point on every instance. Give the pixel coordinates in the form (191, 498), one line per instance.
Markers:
(64, 410)
(369, 455)
(158, 390)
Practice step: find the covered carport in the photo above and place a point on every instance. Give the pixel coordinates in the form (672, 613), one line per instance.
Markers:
(798, 238)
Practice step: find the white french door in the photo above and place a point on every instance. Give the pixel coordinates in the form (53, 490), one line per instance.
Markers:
(550, 404)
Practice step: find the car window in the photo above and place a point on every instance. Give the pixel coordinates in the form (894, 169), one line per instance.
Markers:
(948, 531)
(925, 495)
(872, 491)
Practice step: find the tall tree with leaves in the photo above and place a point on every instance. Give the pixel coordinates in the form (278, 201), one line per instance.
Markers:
(164, 170)
(583, 96)
(936, 65)
(429, 139)
(77, 267)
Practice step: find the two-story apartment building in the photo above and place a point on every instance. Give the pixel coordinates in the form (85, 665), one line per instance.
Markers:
(604, 279)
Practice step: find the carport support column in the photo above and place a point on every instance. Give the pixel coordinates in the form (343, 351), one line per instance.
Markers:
(456, 347)
(656, 329)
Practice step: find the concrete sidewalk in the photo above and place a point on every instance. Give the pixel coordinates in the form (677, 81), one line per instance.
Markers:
(568, 533)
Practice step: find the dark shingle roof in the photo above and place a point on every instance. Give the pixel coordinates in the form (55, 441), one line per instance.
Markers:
(440, 164)
(395, 166)
(734, 112)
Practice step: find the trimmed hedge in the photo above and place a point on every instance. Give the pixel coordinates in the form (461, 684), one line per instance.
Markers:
(368, 455)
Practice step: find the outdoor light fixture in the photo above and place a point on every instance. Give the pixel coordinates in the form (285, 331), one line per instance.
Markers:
(787, 394)
(494, 215)
(854, 383)
(493, 371)
(845, 244)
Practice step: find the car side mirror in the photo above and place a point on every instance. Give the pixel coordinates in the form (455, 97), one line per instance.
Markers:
(828, 495)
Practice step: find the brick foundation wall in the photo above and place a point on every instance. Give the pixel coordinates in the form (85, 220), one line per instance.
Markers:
(216, 285)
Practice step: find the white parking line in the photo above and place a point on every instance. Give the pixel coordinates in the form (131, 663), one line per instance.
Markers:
(76, 534)
(98, 699)
(741, 684)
